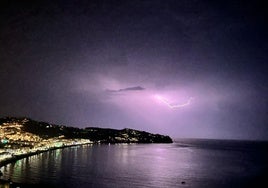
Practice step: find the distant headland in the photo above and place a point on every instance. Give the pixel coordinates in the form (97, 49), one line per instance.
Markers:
(22, 137)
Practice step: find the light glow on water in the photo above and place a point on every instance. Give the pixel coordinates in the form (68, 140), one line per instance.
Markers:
(197, 164)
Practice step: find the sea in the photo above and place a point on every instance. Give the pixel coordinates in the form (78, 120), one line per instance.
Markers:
(186, 163)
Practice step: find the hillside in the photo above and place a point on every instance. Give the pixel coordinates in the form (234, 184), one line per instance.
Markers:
(26, 132)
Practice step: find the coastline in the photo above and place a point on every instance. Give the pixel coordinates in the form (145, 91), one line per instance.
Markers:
(25, 155)
(22, 137)
(9, 183)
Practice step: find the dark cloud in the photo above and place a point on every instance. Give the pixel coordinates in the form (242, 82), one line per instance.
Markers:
(136, 88)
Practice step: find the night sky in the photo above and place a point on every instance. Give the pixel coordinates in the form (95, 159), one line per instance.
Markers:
(184, 68)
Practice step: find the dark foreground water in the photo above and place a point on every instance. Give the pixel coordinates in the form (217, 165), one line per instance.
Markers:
(187, 163)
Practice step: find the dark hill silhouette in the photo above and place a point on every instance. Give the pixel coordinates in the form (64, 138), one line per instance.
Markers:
(101, 135)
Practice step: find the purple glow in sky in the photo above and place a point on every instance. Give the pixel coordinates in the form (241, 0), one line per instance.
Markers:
(173, 105)
(183, 68)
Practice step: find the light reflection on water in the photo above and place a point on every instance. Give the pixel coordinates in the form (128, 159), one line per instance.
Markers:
(134, 165)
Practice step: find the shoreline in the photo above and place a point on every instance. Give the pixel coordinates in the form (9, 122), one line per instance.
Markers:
(25, 155)
(9, 183)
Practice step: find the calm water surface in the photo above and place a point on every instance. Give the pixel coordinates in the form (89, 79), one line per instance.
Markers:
(198, 163)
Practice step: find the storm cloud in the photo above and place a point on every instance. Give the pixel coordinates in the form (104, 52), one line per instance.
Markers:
(102, 63)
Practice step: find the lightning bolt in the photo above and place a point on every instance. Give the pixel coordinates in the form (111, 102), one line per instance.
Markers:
(172, 106)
